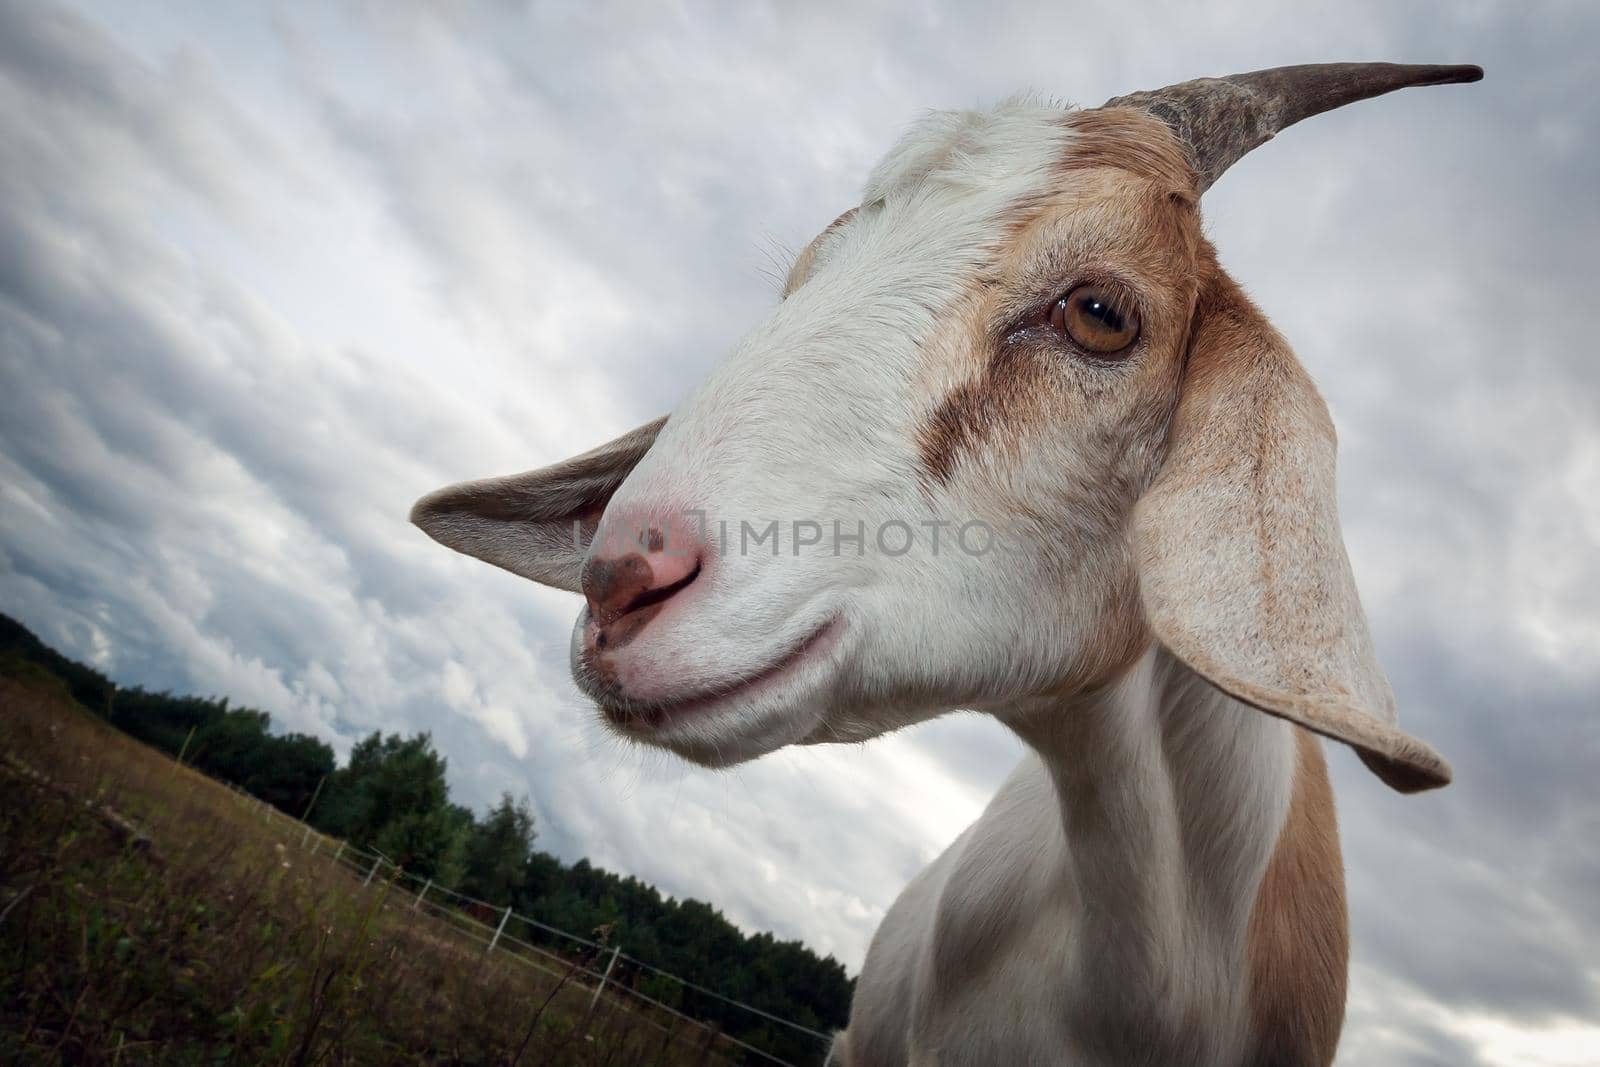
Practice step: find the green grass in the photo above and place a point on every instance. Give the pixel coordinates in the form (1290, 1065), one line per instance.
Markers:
(147, 916)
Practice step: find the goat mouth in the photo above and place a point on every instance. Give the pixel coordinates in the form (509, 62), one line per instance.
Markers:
(637, 716)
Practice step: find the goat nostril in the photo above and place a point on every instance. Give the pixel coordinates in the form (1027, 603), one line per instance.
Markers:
(661, 593)
(628, 586)
(654, 539)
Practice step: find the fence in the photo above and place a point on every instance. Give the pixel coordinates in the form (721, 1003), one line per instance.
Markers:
(489, 925)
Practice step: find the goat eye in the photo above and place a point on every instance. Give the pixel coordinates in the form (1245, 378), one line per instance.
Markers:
(1096, 318)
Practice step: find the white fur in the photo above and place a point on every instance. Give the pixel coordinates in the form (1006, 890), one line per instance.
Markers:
(1104, 931)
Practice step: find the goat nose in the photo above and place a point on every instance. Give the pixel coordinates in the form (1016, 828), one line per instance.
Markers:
(619, 585)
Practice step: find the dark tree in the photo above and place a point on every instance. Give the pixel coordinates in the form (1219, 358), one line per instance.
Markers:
(497, 852)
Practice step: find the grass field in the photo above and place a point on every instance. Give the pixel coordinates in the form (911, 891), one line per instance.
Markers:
(146, 916)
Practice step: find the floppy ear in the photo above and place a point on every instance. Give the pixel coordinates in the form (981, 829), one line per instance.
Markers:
(1242, 569)
(536, 524)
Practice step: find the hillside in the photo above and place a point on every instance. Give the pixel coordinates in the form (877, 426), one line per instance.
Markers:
(392, 799)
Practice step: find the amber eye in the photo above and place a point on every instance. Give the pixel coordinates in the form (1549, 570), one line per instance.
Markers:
(1097, 318)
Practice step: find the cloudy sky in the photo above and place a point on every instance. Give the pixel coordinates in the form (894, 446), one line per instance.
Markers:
(269, 273)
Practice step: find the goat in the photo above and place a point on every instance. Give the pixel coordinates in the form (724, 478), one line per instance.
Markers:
(1021, 341)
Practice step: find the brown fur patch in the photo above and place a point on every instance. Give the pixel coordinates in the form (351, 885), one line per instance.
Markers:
(1298, 946)
(1131, 141)
(801, 270)
(970, 410)
(1119, 218)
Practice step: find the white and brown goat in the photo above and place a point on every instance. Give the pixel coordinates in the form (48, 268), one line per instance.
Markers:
(1013, 442)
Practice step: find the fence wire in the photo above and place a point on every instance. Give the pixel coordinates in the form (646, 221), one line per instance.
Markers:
(429, 899)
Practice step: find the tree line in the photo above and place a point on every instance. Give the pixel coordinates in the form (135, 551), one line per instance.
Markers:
(392, 795)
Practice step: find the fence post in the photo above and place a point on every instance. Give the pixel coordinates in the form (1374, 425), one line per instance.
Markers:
(339, 853)
(498, 930)
(605, 977)
(415, 904)
(179, 761)
(375, 861)
(305, 816)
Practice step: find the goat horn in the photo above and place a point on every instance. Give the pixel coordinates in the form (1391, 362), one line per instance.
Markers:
(1220, 119)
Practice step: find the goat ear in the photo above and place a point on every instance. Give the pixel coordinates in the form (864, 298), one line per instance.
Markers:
(537, 524)
(1242, 569)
